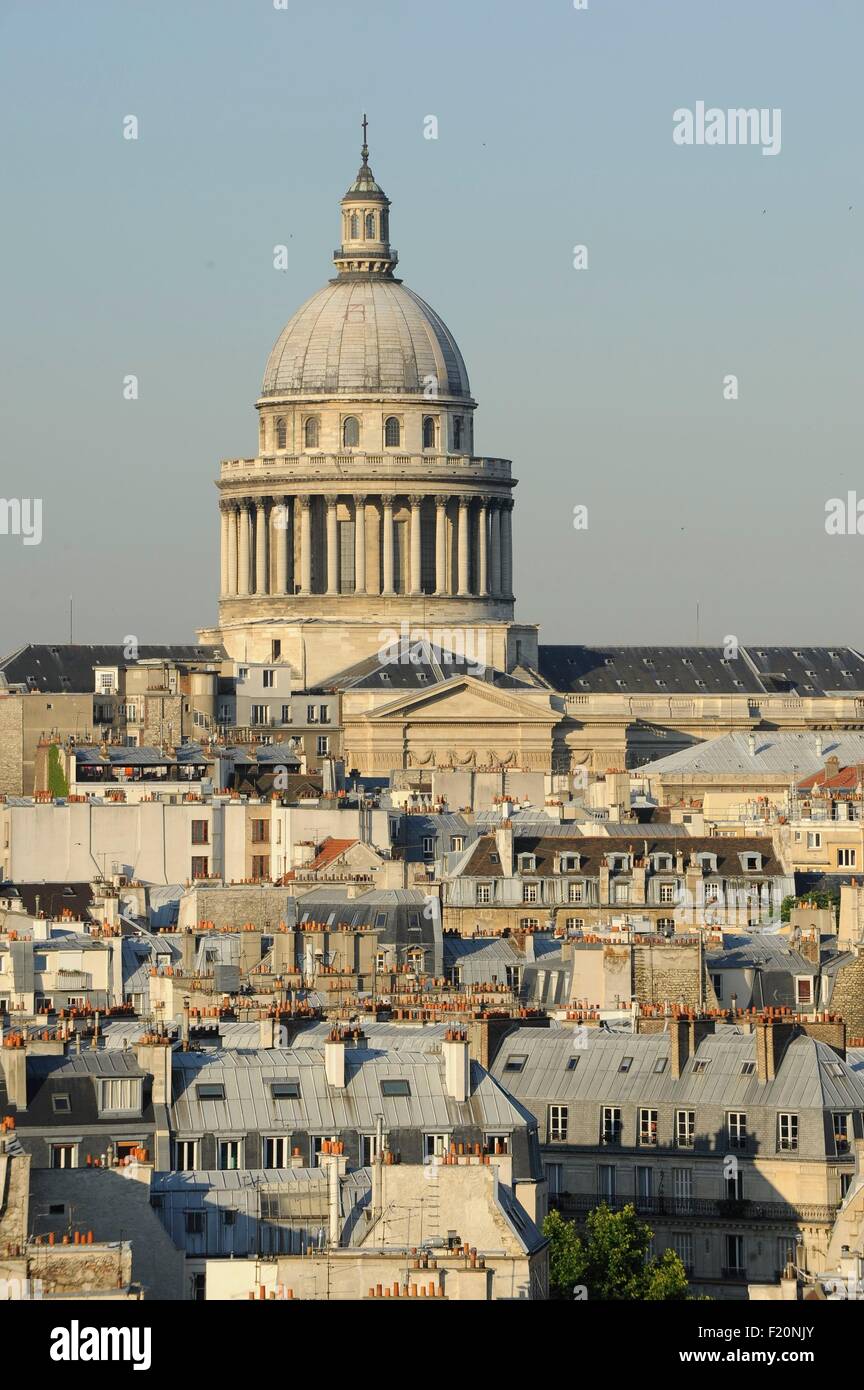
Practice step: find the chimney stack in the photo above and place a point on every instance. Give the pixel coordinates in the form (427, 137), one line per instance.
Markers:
(685, 1035)
(504, 845)
(334, 1060)
(772, 1039)
(457, 1065)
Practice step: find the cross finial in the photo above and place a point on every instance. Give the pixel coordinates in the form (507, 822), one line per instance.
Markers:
(365, 151)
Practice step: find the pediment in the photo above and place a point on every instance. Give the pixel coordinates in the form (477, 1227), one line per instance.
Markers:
(462, 700)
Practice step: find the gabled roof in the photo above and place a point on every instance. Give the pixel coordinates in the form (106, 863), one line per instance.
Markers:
(331, 850)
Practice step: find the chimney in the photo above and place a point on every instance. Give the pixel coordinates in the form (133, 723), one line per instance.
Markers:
(14, 1063)
(685, 1035)
(832, 767)
(751, 744)
(457, 1065)
(267, 1032)
(772, 1039)
(504, 845)
(819, 745)
(334, 1060)
(155, 1057)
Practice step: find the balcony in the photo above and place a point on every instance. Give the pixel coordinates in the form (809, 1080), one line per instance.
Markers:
(362, 465)
(707, 1209)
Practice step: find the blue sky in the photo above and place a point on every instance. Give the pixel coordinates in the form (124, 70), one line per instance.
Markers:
(604, 386)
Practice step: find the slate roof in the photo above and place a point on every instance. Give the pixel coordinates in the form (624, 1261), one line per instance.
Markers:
(774, 752)
(65, 667)
(434, 666)
(678, 670)
(592, 850)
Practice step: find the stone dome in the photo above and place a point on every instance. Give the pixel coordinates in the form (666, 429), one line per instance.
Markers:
(365, 334)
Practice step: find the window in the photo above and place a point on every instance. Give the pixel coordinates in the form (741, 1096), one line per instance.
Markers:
(735, 1186)
(682, 1189)
(516, 1061)
(324, 714)
(285, 1090)
(748, 1068)
(814, 839)
(846, 858)
(200, 866)
(322, 744)
(531, 924)
(621, 893)
(200, 832)
(268, 679)
(606, 1182)
(277, 1152)
(228, 1154)
(787, 1133)
(841, 1134)
(63, 1155)
(392, 432)
(428, 846)
(428, 432)
(350, 432)
(736, 1128)
(380, 962)
(194, 1223)
(61, 1105)
(310, 432)
(685, 1128)
(286, 714)
(259, 832)
(648, 1127)
(557, 1127)
(667, 892)
(484, 892)
(435, 1145)
(530, 892)
(355, 227)
(186, 1155)
(457, 842)
(370, 226)
(311, 714)
(575, 892)
(457, 431)
(210, 1091)
(682, 1244)
(260, 714)
(395, 1087)
(644, 1184)
(734, 1265)
(804, 989)
(527, 862)
(260, 866)
(610, 1132)
(120, 1093)
(281, 434)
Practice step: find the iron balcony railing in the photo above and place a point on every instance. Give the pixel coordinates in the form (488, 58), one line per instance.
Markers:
(719, 1208)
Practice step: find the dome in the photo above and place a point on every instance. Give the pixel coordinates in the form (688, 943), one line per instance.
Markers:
(365, 334)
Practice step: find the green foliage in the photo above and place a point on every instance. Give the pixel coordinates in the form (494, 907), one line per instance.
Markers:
(57, 784)
(830, 898)
(611, 1261)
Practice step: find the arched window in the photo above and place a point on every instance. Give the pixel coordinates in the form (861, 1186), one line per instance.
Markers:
(385, 224)
(355, 226)
(392, 432)
(370, 226)
(350, 432)
(428, 432)
(281, 434)
(310, 432)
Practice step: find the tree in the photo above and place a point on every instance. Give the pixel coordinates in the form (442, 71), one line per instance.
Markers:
(612, 1261)
(57, 784)
(829, 898)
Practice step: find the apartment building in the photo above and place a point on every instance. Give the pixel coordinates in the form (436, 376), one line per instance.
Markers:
(735, 1143)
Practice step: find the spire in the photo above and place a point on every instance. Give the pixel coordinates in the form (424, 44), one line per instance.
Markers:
(365, 248)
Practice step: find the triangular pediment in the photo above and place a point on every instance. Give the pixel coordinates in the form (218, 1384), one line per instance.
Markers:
(462, 699)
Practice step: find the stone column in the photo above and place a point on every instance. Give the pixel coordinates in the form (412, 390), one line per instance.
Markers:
(440, 545)
(416, 550)
(332, 547)
(222, 549)
(261, 585)
(243, 547)
(388, 545)
(360, 545)
(463, 547)
(507, 548)
(281, 519)
(306, 545)
(231, 513)
(483, 548)
(495, 556)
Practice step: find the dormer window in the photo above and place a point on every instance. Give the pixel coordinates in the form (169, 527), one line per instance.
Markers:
(707, 863)
(120, 1093)
(662, 863)
(751, 863)
(527, 863)
(570, 863)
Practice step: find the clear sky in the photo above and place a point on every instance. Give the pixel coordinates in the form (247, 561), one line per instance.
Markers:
(605, 385)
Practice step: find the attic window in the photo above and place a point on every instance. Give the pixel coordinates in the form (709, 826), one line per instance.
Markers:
(398, 1087)
(61, 1105)
(572, 1063)
(516, 1062)
(626, 1064)
(700, 1066)
(837, 1069)
(383, 675)
(660, 1064)
(748, 1068)
(211, 1091)
(285, 1090)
